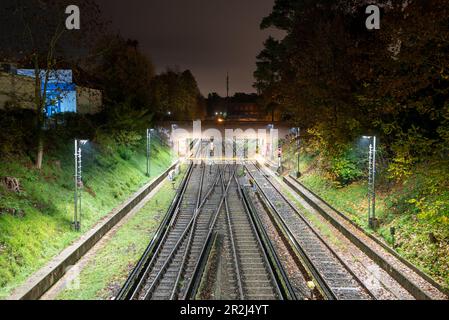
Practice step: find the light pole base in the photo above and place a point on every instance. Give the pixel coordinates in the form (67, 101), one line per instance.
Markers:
(298, 175)
(76, 226)
(373, 223)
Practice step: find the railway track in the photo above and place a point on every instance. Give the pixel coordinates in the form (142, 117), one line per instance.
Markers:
(159, 272)
(419, 285)
(243, 265)
(334, 279)
(254, 278)
(167, 269)
(211, 200)
(176, 257)
(159, 279)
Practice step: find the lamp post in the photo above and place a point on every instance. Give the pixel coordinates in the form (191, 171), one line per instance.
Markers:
(149, 131)
(245, 148)
(271, 127)
(174, 127)
(372, 221)
(279, 158)
(78, 184)
(298, 145)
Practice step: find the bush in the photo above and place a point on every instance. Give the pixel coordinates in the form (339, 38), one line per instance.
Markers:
(106, 163)
(345, 171)
(125, 153)
(129, 139)
(425, 194)
(17, 130)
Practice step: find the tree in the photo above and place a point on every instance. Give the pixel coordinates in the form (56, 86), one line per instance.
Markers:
(33, 34)
(337, 80)
(125, 73)
(178, 93)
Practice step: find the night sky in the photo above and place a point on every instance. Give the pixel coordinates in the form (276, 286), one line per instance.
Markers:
(209, 37)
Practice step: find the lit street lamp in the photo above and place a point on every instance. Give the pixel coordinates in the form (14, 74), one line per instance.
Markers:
(372, 181)
(78, 184)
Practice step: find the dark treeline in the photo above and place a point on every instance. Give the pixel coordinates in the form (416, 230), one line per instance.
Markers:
(134, 96)
(33, 36)
(338, 81)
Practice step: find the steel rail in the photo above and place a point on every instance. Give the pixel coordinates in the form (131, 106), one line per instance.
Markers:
(280, 274)
(299, 214)
(260, 242)
(190, 225)
(189, 244)
(324, 288)
(131, 282)
(202, 255)
(322, 282)
(234, 252)
(143, 275)
(291, 181)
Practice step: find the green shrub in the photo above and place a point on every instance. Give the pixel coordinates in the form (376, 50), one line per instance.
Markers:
(347, 167)
(125, 153)
(106, 162)
(129, 139)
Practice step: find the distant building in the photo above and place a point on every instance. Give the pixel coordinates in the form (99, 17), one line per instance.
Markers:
(63, 96)
(246, 111)
(241, 107)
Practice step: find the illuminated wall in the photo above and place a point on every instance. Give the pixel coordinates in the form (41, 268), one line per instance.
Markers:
(61, 91)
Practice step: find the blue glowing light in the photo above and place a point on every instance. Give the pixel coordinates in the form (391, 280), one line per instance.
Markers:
(60, 90)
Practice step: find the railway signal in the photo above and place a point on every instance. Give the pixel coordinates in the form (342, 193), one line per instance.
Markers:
(279, 157)
(234, 149)
(271, 144)
(372, 221)
(245, 148)
(212, 148)
(78, 184)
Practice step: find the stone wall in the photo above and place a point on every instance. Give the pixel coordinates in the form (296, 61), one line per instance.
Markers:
(16, 91)
(89, 101)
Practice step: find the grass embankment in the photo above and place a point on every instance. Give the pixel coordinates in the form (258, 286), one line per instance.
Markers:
(106, 272)
(404, 206)
(35, 224)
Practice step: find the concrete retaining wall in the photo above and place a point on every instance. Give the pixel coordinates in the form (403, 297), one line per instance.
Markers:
(89, 101)
(16, 92)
